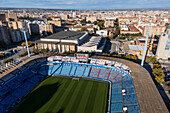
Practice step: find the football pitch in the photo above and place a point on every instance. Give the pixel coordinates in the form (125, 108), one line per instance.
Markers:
(64, 95)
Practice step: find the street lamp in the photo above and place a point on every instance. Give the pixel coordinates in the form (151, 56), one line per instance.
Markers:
(26, 42)
(144, 51)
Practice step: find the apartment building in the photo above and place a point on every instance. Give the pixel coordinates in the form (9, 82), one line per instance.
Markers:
(109, 23)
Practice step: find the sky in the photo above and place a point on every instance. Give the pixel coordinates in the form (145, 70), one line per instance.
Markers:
(85, 4)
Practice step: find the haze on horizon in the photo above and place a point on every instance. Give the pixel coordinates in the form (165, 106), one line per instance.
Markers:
(85, 4)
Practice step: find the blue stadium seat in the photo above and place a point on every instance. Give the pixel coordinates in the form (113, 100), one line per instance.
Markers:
(116, 98)
(104, 73)
(126, 77)
(118, 78)
(73, 70)
(27, 85)
(4, 90)
(133, 109)
(127, 84)
(87, 71)
(55, 67)
(20, 78)
(2, 109)
(112, 75)
(79, 71)
(65, 70)
(129, 100)
(35, 79)
(13, 84)
(58, 71)
(130, 91)
(116, 85)
(19, 93)
(50, 67)
(117, 91)
(116, 108)
(9, 100)
(28, 73)
(94, 72)
(43, 70)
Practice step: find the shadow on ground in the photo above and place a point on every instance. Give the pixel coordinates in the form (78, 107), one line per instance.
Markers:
(35, 100)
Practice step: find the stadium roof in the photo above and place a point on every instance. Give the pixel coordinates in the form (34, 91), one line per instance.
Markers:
(66, 35)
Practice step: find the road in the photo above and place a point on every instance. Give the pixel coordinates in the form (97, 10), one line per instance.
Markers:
(20, 51)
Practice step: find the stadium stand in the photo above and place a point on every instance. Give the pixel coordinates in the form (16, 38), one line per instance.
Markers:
(21, 81)
(116, 108)
(87, 71)
(17, 85)
(94, 72)
(65, 70)
(79, 71)
(73, 70)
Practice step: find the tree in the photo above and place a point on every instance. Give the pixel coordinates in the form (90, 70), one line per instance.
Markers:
(44, 50)
(159, 79)
(111, 37)
(23, 54)
(156, 66)
(131, 57)
(83, 29)
(29, 43)
(117, 30)
(1, 55)
(8, 60)
(83, 21)
(151, 59)
(89, 21)
(36, 51)
(100, 23)
(116, 22)
(158, 72)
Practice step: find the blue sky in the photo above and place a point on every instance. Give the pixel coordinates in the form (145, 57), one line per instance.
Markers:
(85, 4)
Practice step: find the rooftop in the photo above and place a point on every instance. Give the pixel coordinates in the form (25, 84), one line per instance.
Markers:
(66, 35)
(136, 47)
(91, 41)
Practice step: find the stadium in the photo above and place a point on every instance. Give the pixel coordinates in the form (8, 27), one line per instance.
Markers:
(64, 84)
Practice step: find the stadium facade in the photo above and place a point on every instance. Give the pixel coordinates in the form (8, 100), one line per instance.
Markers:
(71, 41)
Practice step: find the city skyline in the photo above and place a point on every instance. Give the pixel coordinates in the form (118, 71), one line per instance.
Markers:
(85, 4)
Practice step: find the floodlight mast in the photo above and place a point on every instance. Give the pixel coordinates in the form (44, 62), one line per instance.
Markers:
(144, 52)
(26, 43)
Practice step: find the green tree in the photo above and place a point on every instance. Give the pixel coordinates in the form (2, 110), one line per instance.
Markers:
(111, 37)
(101, 23)
(8, 60)
(83, 21)
(23, 54)
(83, 29)
(89, 21)
(36, 51)
(117, 30)
(131, 57)
(44, 50)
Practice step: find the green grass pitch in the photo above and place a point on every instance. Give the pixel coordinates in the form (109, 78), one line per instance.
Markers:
(64, 95)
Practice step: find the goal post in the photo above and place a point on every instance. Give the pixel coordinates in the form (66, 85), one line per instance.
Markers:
(76, 79)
